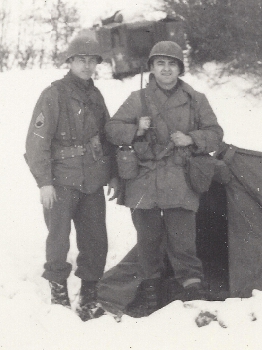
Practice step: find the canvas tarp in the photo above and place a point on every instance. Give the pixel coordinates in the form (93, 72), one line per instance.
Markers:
(119, 285)
(242, 210)
(244, 196)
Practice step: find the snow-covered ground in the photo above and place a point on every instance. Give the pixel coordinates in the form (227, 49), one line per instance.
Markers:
(27, 320)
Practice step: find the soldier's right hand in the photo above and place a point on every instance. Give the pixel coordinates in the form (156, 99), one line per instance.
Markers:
(143, 125)
(47, 196)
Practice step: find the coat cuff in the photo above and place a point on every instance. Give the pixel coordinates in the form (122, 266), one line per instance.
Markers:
(198, 138)
(43, 182)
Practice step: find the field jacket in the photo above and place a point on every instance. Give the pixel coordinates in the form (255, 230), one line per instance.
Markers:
(161, 180)
(66, 143)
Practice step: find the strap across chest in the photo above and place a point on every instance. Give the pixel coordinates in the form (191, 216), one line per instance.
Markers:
(67, 130)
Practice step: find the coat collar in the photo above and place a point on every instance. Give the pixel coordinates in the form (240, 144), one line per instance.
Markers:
(80, 89)
(178, 98)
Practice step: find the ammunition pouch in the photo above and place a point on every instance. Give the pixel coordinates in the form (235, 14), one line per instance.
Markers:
(64, 152)
(68, 152)
(69, 162)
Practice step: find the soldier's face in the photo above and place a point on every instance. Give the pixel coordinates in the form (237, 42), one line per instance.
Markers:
(166, 71)
(83, 66)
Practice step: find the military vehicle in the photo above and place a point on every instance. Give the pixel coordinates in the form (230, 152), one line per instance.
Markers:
(126, 46)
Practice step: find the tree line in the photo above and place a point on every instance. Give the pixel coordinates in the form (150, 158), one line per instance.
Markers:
(228, 31)
(39, 37)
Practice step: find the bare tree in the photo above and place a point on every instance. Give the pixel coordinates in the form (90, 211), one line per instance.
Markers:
(64, 22)
(40, 36)
(4, 47)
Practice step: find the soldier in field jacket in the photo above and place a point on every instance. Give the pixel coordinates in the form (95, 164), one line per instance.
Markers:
(165, 124)
(71, 160)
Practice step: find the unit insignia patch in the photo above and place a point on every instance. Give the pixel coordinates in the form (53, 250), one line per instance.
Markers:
(40, 121)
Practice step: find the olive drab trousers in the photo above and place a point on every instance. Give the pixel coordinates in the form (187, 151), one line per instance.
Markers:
(87, 211)
(178, 227)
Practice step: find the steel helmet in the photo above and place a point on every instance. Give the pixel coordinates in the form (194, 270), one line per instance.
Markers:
(84, 45)
(169, 49)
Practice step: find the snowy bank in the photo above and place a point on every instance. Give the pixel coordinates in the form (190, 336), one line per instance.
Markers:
(28, 321)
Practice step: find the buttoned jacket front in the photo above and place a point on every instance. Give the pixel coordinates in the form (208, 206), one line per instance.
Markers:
(59, 153)
(163, 183)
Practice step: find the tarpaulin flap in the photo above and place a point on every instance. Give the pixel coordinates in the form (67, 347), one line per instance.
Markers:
(244, 194)
(119, 285)
(246, 166)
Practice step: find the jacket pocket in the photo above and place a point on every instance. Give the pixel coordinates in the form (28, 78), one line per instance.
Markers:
(67, 171)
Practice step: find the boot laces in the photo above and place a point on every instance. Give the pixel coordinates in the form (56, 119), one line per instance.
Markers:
(59, 293)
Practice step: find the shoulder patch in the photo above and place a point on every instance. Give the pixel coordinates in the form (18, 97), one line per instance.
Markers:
(40, 121)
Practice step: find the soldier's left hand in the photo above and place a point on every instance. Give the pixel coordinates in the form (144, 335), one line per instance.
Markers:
(113, 185)
(180, 139)
(48, 196)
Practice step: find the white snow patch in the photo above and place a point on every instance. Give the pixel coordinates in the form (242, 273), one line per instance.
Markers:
(28, 321)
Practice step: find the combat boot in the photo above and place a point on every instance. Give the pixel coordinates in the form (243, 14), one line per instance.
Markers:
(147, 299)
(59, 293)
(88, 307)
(197, 291)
